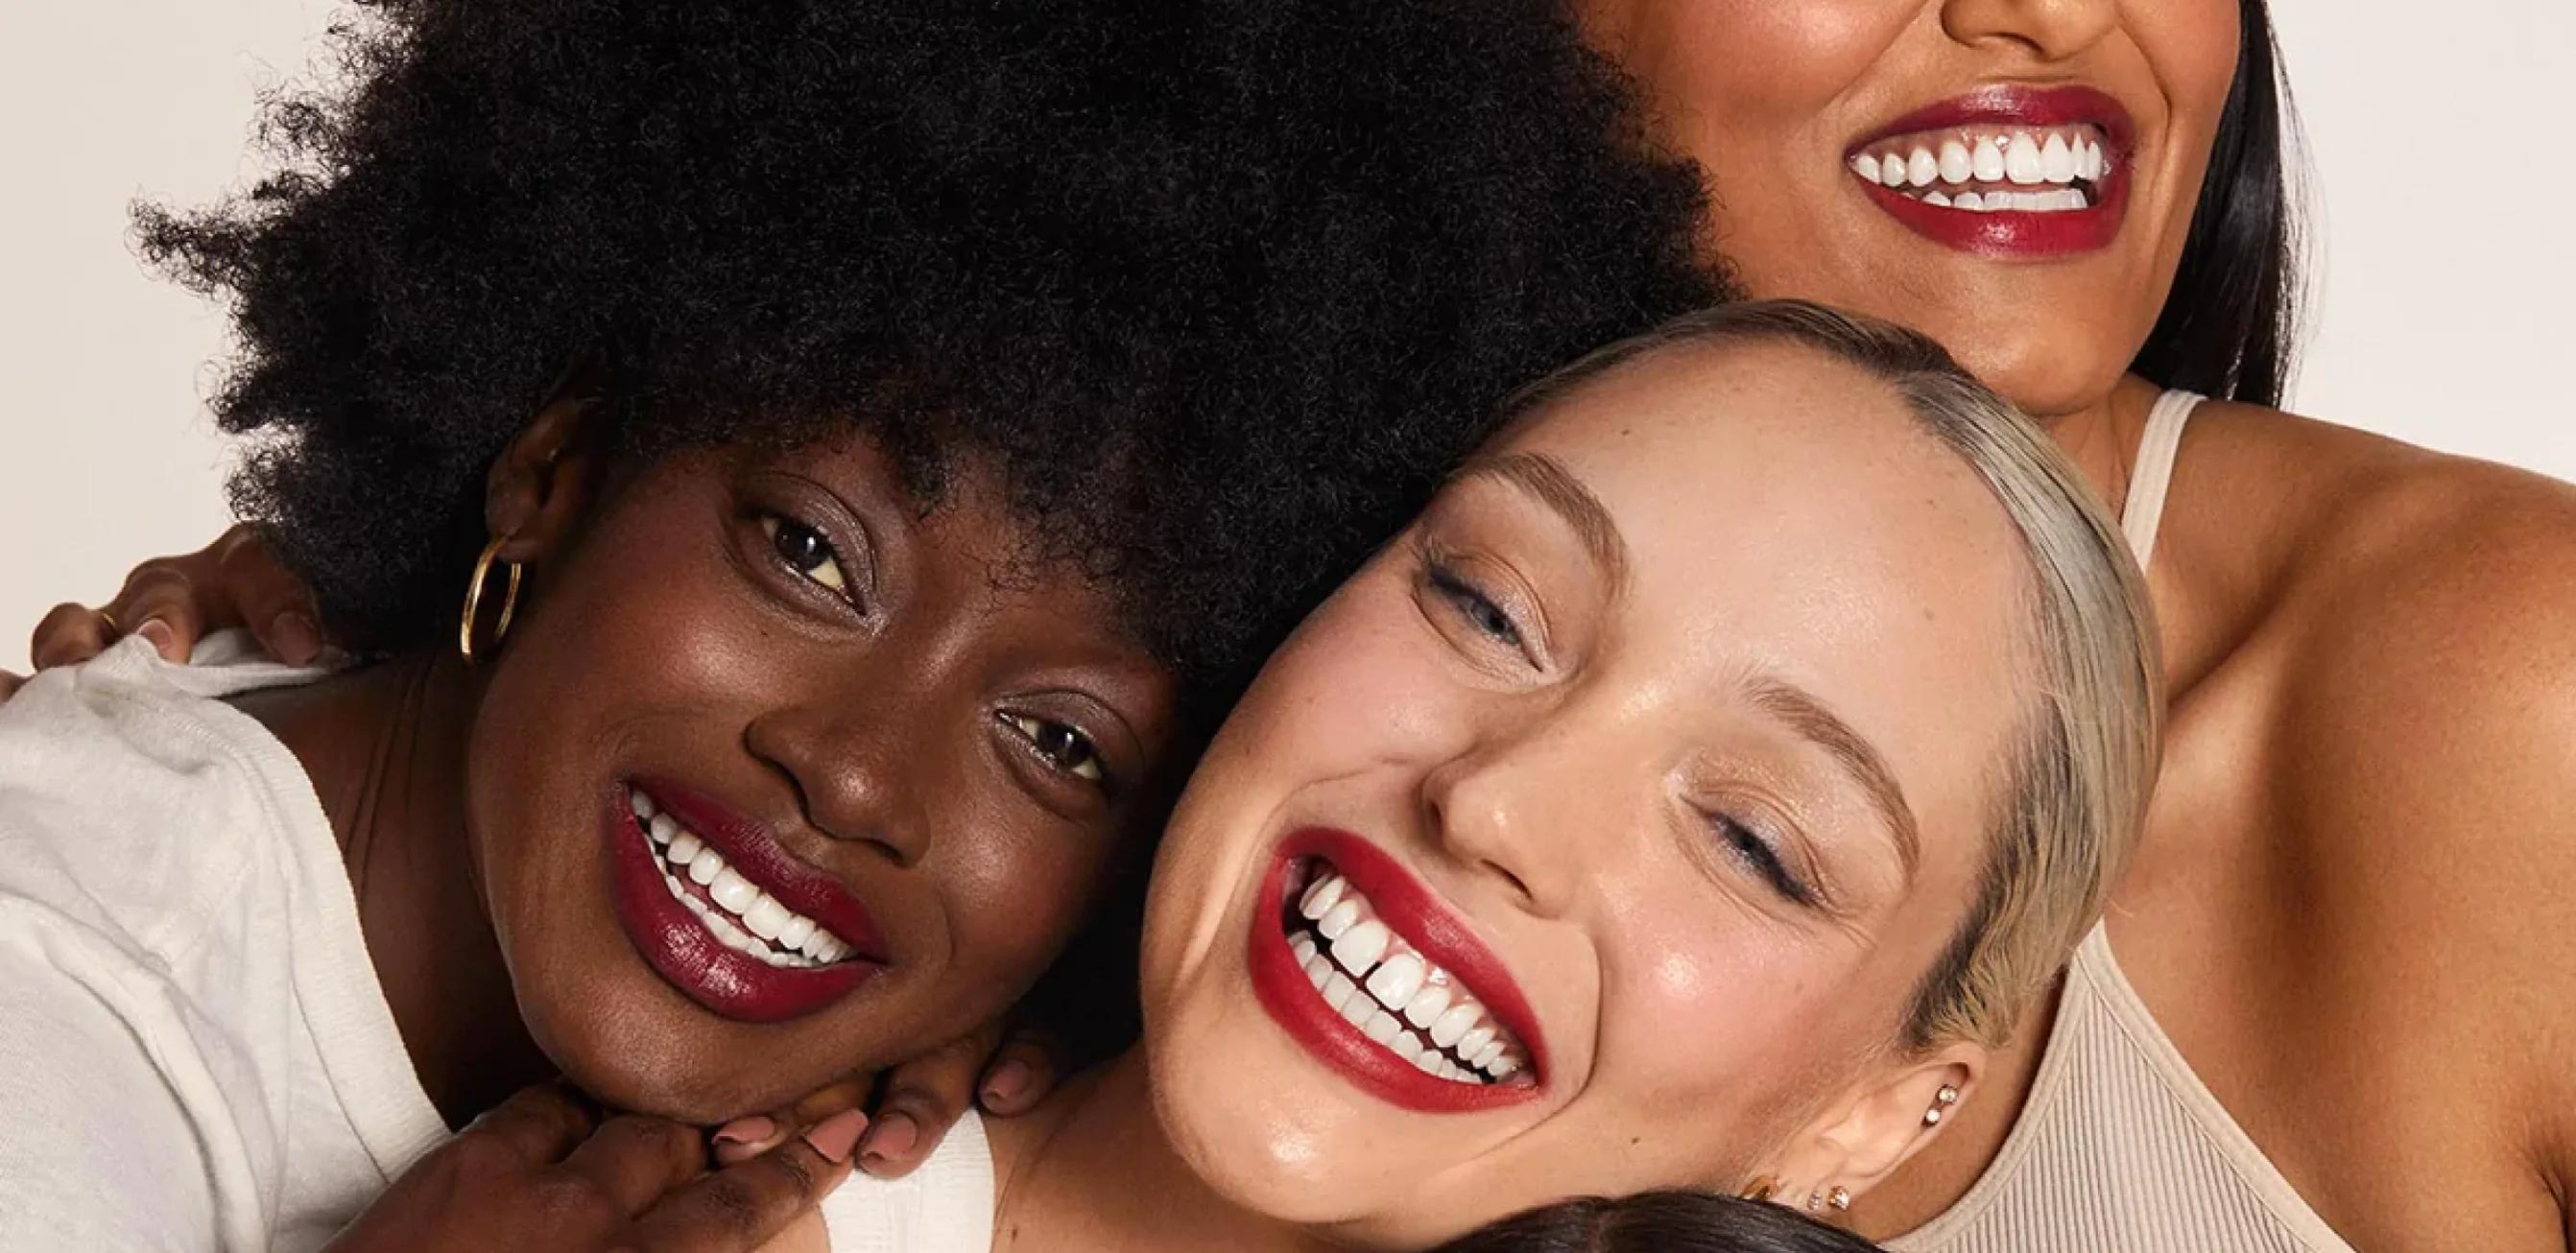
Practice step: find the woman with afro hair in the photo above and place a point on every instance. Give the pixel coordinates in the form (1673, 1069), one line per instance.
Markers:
(798, 479)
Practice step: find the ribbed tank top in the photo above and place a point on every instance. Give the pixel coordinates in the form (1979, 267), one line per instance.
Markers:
(2120, 1148)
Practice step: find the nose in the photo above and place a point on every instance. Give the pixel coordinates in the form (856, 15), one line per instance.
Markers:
(2053, 30)
(1518, 812)
(858, 776)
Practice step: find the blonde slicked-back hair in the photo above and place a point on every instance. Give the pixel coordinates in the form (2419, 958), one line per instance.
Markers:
(2072, 790)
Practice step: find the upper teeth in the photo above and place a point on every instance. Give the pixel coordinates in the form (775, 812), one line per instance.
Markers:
(1382, 985)
(745, 918)
(1980, 168)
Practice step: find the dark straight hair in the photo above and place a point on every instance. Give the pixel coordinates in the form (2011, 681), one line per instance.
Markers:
(2230, 326)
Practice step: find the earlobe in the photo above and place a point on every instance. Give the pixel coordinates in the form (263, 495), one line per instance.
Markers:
(540, 484)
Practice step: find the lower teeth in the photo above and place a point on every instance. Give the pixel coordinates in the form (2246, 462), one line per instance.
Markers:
(728, 929)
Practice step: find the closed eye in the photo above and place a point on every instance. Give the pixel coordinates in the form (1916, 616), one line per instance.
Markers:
(1757, 855)
(1063, 748)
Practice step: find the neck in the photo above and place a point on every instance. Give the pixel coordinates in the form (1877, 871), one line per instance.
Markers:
(1095, 1170)
(386, 750)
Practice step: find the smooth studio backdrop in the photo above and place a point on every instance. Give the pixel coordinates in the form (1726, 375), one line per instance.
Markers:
(2445, 249)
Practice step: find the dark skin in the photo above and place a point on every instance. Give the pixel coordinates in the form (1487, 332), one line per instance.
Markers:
(966, 742)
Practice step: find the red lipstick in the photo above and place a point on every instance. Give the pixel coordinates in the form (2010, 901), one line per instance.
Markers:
(2018, 234)
(1413, 911)
(687, 955)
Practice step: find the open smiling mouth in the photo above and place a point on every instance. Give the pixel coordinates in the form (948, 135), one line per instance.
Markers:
(718, 908)
(2005, 172)
(1371, 972)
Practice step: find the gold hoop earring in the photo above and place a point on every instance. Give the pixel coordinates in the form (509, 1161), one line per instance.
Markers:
(474, 599)
(1760, 1189)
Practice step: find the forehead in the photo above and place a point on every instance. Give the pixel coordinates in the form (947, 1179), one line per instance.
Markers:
(1786, 514)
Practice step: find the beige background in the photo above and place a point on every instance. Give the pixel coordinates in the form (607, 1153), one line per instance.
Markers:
(2448, 251)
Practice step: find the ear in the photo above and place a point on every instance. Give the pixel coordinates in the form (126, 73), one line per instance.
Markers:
(541, 483)
(1862, 1139)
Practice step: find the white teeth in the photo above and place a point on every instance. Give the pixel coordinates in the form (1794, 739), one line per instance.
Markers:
(1321, 898)
(1936, 199)
(1338, 920)
(2021, 160)
(733, 892)
(2057, 161)
(1484, 1057)
(706, 867)
(766, 917)
(1395, 982)
(734, 909)
(1923, 170)
(1969, 200)
(1451, 1027)
(1955, 166)
(1891, 169)
(1338, 991)
(1988, 162)
(1505, 1068)
(1867, 167)
(1381, 1027)
(1371, 978)
(1360, 947)
(2088, 163)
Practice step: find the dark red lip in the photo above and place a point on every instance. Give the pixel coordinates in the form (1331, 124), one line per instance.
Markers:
(687, 956)
(2013, 235)
(1409, 907)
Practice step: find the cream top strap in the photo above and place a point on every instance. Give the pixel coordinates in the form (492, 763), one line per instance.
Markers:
(2153, 474)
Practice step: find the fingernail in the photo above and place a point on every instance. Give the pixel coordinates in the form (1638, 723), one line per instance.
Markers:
(892, 1138)
(163, 638)
(1007, 1082)
(835, 1136)
(295, 637)
(756, 1129)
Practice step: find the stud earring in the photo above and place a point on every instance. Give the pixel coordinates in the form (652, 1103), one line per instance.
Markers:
(1839, 1198)
(1942, 1101)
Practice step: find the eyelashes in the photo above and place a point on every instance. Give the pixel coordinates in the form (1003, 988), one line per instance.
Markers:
(1063, 747)
(808, 552)
(1757, 855)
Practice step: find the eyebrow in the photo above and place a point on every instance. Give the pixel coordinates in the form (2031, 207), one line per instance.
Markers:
(1815, 721)
(1543, 479)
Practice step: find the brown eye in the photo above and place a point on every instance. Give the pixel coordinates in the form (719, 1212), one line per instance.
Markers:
(1065, 748)
(806, 551)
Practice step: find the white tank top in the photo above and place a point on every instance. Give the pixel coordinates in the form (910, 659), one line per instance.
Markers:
(2120, 1148)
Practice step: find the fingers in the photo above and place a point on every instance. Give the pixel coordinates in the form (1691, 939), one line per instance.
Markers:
(923, 1099)
(539, 1124)
(741, 1206)
(68, 635)
(272, 602)
(160, 603)
(747, 1138)
(633, 1160)
(1022, 1074)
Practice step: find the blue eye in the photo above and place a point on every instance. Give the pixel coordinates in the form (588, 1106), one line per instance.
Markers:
(1480, 611)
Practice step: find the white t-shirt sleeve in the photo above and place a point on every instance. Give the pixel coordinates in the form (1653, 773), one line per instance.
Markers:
(120, 1165)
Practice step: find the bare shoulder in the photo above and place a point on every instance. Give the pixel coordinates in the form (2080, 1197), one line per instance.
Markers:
(2416, 653)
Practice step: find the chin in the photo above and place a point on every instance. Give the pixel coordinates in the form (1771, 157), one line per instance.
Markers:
(631, 1058)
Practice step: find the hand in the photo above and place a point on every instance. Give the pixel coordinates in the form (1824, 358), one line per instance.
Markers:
(916, 1103)
(177, 601)
(536, 1173)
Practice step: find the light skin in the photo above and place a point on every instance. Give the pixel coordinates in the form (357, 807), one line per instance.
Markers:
(1583, 748)
(2371, 670)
